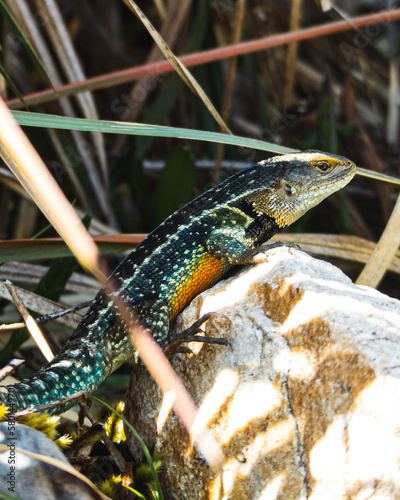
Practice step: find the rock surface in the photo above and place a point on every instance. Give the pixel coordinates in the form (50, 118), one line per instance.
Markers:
(27, 478)
(306, 403)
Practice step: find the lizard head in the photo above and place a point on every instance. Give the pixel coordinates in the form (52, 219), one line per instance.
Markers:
(299, 182)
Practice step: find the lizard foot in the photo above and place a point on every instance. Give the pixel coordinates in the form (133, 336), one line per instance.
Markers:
(189, 335)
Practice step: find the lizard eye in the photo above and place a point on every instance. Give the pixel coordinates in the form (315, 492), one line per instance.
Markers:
(323, 166)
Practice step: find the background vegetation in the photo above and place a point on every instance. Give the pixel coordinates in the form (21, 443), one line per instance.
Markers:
(337, 93)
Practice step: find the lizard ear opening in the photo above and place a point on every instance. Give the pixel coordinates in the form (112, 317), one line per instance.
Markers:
(289, 190)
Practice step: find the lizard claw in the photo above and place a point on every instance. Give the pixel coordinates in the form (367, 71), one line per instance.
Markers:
(189, 335)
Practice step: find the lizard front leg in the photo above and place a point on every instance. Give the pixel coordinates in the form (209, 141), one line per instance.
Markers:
(228, 245)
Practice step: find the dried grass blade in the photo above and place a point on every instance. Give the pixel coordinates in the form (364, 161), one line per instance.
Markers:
(378, 176)
(392, 129)
(30, 323)
(178, 66)
(68, 58)
(10, 368)
(352, 248)
(160, 6)
(384, 252)
(32, 273)
(172, 23)
(69, 170)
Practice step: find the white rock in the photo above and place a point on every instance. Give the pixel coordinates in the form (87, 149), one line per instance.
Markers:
(306, 404)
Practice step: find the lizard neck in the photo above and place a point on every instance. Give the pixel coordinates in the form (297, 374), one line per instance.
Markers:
(262, 226)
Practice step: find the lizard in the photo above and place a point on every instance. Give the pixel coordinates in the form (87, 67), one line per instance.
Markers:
(187, 253)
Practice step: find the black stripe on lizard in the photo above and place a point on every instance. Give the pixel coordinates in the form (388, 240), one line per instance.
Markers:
(183, 256)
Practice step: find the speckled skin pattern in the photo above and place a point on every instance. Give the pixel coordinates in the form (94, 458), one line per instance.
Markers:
(183, 256)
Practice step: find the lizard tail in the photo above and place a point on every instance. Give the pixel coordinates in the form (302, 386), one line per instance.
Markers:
(79, 367)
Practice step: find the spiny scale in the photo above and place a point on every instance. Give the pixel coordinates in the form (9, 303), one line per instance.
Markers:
(183, 256)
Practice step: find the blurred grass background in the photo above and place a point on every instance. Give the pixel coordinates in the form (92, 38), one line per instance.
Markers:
(337, 93)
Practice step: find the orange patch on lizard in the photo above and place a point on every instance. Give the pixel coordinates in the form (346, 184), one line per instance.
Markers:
(207, 270)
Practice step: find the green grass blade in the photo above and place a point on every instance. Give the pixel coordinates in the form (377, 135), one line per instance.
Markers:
(136, 492)
(11, 84)
(23, 39)
(113, 127)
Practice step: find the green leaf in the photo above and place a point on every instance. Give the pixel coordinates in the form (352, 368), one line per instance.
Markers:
(23, 39)
(177, 180)
(11, 84)
(327, 136)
